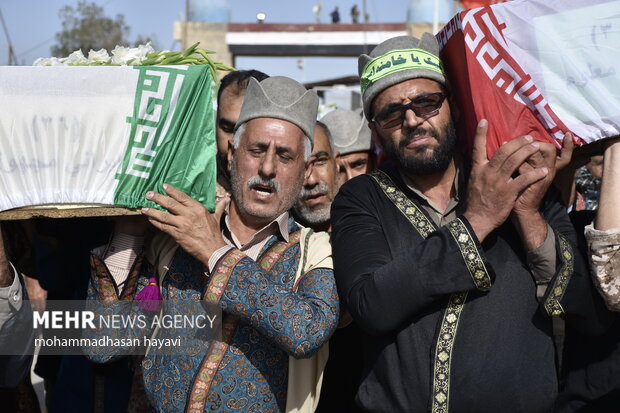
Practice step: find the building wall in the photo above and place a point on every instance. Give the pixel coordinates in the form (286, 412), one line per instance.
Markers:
(416, 29)
(212, 36)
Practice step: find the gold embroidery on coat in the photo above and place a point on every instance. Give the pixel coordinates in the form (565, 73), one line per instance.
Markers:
(552, 303)
(456, 303)
(410, 210)
(472, 258)
(443, 352)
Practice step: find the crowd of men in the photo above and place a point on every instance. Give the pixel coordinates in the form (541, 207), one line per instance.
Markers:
(430, 282)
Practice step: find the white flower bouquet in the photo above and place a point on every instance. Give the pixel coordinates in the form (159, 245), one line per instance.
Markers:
(142, 55)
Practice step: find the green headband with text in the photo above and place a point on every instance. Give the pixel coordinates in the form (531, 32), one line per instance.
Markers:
(395, 61)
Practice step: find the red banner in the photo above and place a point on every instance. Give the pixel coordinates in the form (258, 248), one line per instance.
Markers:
(472, 4)
(488, 83)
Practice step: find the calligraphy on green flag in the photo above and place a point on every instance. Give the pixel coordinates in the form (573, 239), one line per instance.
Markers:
(171, 138)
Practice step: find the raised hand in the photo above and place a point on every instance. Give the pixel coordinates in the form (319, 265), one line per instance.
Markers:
(608, 215)
(195, 229)
(564, 158)
(526, 213)
(529, 200)
(492, 190)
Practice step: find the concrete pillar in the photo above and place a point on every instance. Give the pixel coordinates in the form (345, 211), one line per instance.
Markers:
(212, 36)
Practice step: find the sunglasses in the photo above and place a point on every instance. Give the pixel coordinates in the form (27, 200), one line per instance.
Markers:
(422, 106)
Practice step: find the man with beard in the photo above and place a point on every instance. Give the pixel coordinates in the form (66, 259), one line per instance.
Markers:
(343, 370)
(352, 142)
(229, 100)
(272, 279)
(321, 183)
(442, 282)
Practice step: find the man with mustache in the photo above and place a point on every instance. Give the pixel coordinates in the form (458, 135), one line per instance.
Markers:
(321, 183)
(343, 369)
(441, 273)
(342, 150)
(272, 279)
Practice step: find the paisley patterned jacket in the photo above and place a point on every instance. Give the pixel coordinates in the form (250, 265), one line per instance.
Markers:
(268, 315)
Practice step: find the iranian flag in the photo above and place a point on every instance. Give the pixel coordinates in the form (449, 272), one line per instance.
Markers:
(537, 67)
(472, 4)
(105, 135)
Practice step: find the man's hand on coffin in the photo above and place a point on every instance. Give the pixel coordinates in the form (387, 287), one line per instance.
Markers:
(194, 228)
(493, 188)
(526, 215)
(529, 200)
(565, 157)
(569, 160)
(6, 272)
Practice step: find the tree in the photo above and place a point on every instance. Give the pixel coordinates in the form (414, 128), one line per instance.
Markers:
(86, 27)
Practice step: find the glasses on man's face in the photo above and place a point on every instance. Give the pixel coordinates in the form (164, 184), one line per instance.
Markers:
(422, 106)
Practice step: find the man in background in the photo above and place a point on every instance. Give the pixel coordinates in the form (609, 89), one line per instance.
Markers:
(352, 141)
(230, 97)
(344, 366)
(320, 185)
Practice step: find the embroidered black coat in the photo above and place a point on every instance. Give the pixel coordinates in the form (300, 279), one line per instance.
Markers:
(450, 324)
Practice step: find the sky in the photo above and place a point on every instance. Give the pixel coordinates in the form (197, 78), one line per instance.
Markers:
(32, 25)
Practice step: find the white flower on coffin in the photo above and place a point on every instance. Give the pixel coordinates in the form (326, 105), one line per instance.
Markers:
(125, 55)
(100, 55)
(122, 55)
(143, 50)
(75, 58)
(47, 61)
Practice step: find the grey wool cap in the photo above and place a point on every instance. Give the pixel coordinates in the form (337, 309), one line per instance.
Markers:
(349, 130)
(282, 98)
(396, 60)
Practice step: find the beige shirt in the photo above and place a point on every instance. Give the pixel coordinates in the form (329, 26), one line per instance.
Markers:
(439, 217)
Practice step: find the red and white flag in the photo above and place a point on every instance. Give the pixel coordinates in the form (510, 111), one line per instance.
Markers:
(537, 67)
(472, 4)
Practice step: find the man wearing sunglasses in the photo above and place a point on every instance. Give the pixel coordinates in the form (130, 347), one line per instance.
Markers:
(440, 271)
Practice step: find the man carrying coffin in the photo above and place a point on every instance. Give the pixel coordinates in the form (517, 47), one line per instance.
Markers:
(272, 278)
(442, 274)
(230, 96)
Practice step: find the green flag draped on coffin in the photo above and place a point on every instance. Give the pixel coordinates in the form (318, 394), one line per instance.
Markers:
(105, 135)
